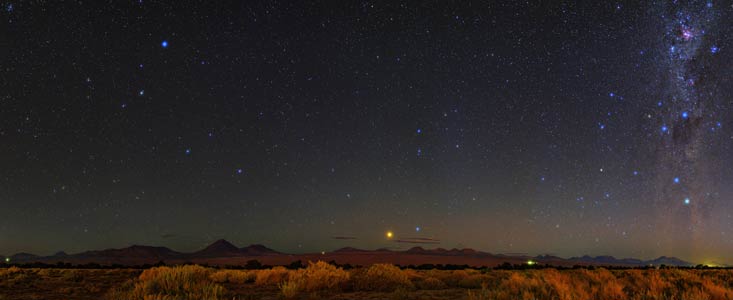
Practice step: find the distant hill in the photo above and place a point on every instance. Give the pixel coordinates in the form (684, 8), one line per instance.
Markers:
(222, 252)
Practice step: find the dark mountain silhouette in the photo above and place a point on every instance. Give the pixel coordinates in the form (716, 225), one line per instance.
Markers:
(23, 256)
(60, 254)
(134, 251)
(612, 261)
(222, 252)
(219, 248)
(257, 249)
(668, 261)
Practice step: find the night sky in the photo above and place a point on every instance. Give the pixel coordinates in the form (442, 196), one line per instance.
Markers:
(599, 128)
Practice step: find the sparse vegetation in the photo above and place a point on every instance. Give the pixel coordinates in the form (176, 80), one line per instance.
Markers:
(321, 280)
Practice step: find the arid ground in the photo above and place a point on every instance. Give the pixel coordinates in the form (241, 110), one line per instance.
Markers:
(382, 281)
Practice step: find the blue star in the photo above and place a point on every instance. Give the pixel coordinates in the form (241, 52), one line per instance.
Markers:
(419, 131)
(141, 92)
(719, 124)
(636, 173)
(542, 178)
(417, 229)
(601, 126)
(164, 44)
(714, 49)
(664, 128)
(611, 94)
(676, 180)
(240, 171)
(659, 103)
(9, 7)
(141, 66)
(187, 151)
(419, 152)
(687, 201)
(709, 4)
(685, 115)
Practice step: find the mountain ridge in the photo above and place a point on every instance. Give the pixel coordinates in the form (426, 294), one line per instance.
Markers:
(222, 252)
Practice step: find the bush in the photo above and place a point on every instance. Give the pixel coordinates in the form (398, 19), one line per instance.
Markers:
(272, 276)
(319, 276)
(290, 289)
(233, 276)
(431, 283)
(381, 277)
(166, 283)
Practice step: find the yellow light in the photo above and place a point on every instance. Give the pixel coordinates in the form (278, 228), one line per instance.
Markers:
(7, 259)
(390, 234)
(531, 262)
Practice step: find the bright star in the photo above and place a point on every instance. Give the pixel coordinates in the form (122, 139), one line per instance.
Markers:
(141, 92)
(239, 171)
(664, 128)
(685, 115)
(687, 201)
(188, 151)
(164, 44)
(419, 131)
(676, 180)
(417, 228)
(714, 49)
(390, 234)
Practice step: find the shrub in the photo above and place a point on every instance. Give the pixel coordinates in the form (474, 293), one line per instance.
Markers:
(319, 276)
(290, 289)
(272, 276)
(482, 294)
(381, 277)
(164, 283)
(431, 283)
(232, 276)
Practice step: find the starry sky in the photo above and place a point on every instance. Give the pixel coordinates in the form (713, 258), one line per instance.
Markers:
(599, 127)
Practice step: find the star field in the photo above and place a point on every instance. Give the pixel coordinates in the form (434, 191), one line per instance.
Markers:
(562, 128)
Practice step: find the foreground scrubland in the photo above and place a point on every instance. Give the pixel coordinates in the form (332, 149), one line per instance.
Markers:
(324, 281)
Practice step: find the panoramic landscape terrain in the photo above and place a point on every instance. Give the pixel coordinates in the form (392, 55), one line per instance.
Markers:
(371, 149)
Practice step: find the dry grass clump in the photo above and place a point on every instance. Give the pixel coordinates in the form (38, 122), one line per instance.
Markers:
(4, 273)
(381, 277)
(233, 276)
(166, 283)
(430, 283)
(272, 276)
(317, 277)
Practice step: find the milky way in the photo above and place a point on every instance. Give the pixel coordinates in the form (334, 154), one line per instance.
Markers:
(692, 115)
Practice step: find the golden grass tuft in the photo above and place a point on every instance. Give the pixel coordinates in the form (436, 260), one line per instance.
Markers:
(233, 276)
(272, 276)
(317, 277)
(169, 283)
(383, 278)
